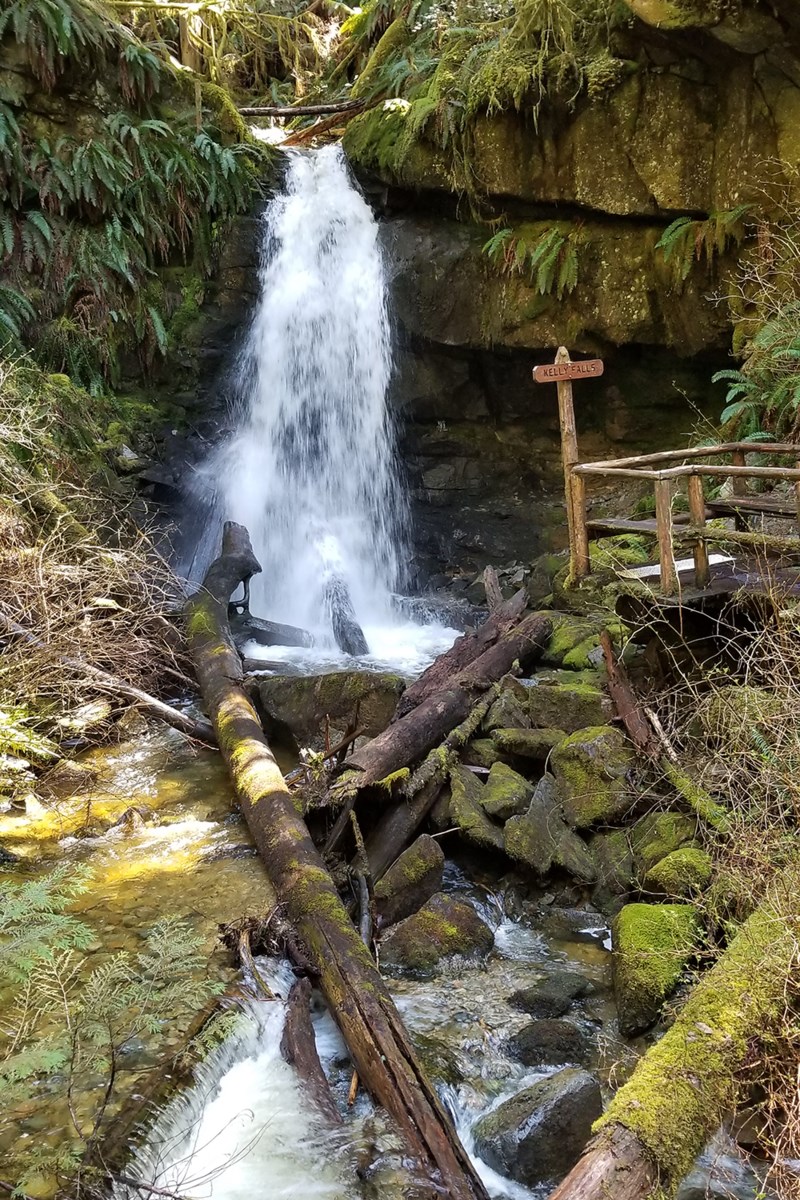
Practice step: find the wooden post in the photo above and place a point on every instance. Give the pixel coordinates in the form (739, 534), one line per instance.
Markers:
(581, 564)
(797, 493)
(739, 481)
(569, 452)
(697, 511)
(666, 556)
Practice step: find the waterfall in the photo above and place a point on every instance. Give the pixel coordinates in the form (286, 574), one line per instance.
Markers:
(310, 469)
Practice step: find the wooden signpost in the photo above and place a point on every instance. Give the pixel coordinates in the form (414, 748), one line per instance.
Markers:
(562, 372)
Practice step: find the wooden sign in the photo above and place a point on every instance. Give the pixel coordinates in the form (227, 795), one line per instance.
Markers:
(589, 368)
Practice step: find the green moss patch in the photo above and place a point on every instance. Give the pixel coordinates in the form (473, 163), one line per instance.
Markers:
(682, 873)
(592, 768)
(652, 945)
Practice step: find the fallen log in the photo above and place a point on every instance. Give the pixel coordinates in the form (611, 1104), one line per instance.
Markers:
(193, 727)
(302, 110)
(693, 1077)
(247, 628)
(343, 967)
(299, 1050)
(463, 651)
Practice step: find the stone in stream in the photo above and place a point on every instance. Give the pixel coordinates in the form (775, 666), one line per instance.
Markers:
(410, 881)
(541, 838)
(444, 927)
(298, 705)
(551, 996)
(505, 793)
(652, 945)
(467, 812)
(549, 1043)
(592, 768)
(681, 874)
(539, 1134)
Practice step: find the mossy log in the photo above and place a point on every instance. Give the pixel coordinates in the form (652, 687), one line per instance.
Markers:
(299, 1049)
(347, 976)
(692, 1078)
(463, 651)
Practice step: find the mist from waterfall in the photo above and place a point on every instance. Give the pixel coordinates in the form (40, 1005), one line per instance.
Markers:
(311, 468)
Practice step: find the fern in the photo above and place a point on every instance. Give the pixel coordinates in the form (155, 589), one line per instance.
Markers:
(550, 260)
(687, 241)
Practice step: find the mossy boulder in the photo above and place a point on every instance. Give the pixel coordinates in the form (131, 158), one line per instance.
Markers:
(541, 839)
(575, 640)
(505, 793)
(592, 769)
(683, 873)
(410, 881)
(549, 1042)
(481, 752)
(567, 700)
(527, 743)
(508, 710)
(613, 860)
(299, 706)
(539, 1134)
(444, 927)
(652, 944)
(552, 995)
(467, 811)
(657, 835)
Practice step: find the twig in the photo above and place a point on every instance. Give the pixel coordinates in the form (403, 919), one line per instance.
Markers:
(128, 1181)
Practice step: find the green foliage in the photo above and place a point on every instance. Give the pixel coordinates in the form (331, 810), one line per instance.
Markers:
(763, 399)
(448, 72)
(68, 1029)
(549, 259)
(88, 214)
(687, 241)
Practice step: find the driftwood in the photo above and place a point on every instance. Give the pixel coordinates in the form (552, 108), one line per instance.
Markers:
(299, 1049)
(491, 585)
(463, 651)
(247, 628)
(343, 967)
(195, 728)
(694, 1076)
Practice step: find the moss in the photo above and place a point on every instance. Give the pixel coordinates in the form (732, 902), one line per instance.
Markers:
(568, 701)
(592, 767)
(505, 793)
(227, 117)
(686, 1083)
(697, 798)
(394, 39)
(443, 927)
(652, 944)
(466, 811)
(684, 872)
(527, 743)
(659, 834)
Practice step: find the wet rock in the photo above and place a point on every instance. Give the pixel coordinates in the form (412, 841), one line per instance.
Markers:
(652, 944)
(298, 706)
(681, 874)
(7, 857)
(574, 924)
(722, 1172)
(66, 779)
(613, 860)
(508, 711)
(657, 835)
(410, 881)
(467, 812)
(505, 793)
(539, 1134)
(443, 927)
(481, 752)
(567, 700)
(549, 1042)
(592, 768)
(541, 838)
(527, 743)
(551, 996)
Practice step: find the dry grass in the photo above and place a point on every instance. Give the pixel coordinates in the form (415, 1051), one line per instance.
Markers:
(735, 721)
(76, 570)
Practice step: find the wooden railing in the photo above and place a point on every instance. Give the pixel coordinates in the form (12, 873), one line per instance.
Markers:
(692, 528)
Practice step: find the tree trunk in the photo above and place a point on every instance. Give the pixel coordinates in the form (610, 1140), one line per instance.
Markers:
(692, 1078)
(299, 1049)
(358, 998)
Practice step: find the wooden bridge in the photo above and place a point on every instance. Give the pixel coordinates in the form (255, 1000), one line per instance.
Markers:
(757, 559)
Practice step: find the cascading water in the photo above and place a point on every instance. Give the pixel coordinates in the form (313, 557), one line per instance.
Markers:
(311, 467)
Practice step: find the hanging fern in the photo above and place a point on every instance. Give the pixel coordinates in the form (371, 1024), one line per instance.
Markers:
(549, 259)
(687, 241)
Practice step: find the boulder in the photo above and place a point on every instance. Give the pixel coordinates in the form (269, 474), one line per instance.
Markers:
(551, 996)
(567, 700)
(652, 944)
(540, 838)
(549, 1043)
(508, 711)
(467, 812)
(410, 881)
(682, 873)
(539, 1134)
(443, 927)
(481, 752)
(505, 793)
(613, 861)
(657, 835)
(527, 743)
(592, 768)
(298, 705)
